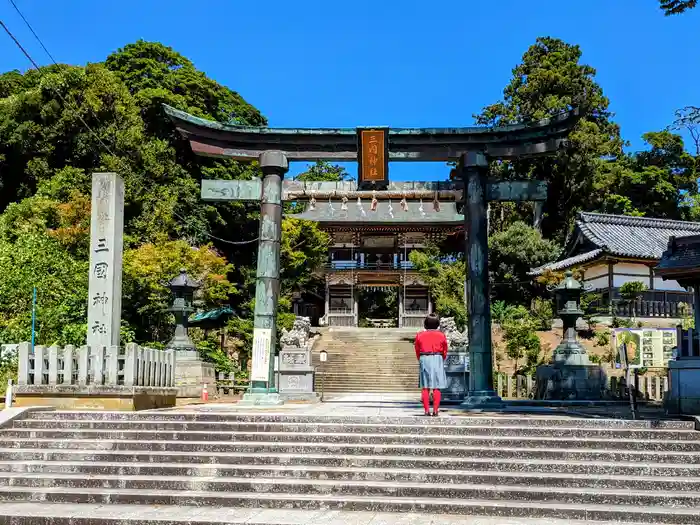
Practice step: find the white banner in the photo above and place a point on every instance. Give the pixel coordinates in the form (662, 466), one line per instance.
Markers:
(262, 341)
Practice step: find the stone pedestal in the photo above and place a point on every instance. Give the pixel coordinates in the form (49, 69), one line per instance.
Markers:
(684, 386)
(296, 372)
(191, 372)
(571, 376)
(457, 362)
(457, 372)
(296, 375)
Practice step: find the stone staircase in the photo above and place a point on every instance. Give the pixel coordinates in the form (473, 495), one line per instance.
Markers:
(367, 360)
(507, 467)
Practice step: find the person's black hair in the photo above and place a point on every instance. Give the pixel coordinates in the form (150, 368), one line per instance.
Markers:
(432, 322)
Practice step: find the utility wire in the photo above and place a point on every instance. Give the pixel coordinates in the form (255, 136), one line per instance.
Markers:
(32, 30)
(36, 66)
(237, 243)
(41, 74)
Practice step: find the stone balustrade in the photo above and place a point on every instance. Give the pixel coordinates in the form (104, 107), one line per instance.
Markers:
(130, 378)
(111, 366)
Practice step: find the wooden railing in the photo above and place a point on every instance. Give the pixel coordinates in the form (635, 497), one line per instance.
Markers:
(111, 366)
(651, 388)
(650, 303)
(642, 308)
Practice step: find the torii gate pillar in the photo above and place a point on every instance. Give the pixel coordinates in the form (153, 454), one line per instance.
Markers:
(274, 165)
(474, 171)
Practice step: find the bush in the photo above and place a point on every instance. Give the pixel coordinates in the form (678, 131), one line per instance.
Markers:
(521, 341)
(631, 291)
(543, 311)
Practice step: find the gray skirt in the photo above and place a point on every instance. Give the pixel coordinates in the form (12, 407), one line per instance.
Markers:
(432, 372)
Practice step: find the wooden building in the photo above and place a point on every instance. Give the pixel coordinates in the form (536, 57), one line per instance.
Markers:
(615, 249)
(370, 249)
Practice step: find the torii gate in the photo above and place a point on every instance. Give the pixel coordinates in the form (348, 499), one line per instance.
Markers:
(373, 148)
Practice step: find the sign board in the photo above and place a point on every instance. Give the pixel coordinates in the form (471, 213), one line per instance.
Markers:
(262, 344)
(373, 157)
(644, 347)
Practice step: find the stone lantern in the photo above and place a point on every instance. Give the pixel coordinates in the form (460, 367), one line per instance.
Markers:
(571, 375)
(183, 288)
(568, 302)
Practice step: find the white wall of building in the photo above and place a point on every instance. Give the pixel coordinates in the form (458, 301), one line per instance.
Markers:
(597, 276)
(632, 268)
(596, 271)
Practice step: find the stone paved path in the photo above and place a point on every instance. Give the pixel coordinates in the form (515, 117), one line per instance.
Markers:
(408, 405)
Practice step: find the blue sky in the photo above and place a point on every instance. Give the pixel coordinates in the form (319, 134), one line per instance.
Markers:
(396, 63)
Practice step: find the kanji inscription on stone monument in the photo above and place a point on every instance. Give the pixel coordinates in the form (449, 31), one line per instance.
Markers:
(106, 247)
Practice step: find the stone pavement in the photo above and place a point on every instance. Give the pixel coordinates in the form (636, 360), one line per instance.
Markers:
(408, 405)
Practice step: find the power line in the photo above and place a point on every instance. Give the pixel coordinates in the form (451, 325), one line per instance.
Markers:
(236, 243)
(36, 66)
(41, 74)
(32, 30)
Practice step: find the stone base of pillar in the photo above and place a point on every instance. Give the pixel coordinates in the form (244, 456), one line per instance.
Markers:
(482, 400)
(301, 397)
(684, 394)
(267, 399)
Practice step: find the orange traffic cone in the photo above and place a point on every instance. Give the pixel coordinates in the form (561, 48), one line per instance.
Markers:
(205, 394)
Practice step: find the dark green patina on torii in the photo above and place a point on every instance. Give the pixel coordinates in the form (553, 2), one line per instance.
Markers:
(471, 147)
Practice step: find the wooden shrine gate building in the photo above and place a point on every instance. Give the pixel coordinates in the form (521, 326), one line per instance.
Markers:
(371, 243)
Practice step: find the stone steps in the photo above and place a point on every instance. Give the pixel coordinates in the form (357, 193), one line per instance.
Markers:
(533, 467)
(656, 495)
(212, 439)
(104, 474)
(133, 462)
(657, 515)
(222, 430)
(367, 360)
(121, 514)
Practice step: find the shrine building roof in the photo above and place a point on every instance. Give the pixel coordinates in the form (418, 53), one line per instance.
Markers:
(598, 235)
(681, 260)
(386, 213)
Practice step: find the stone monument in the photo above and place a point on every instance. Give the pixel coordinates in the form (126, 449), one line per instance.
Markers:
(572, 375)
(296, 374)
(106, 249)
(457, 362)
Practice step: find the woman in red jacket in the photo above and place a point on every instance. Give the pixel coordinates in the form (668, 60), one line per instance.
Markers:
(431, 352)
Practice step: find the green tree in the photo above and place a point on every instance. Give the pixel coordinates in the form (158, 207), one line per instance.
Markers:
(62, 123)
(675, 7)
(445, 280)
(512, 254)
(61, 279)
(551, 79)
(659, 182)
(324, 171)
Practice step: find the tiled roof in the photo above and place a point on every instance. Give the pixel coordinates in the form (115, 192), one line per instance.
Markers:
(641, 237)
(683, 255)
(620, 235)
(332, 212)
(567, 263)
